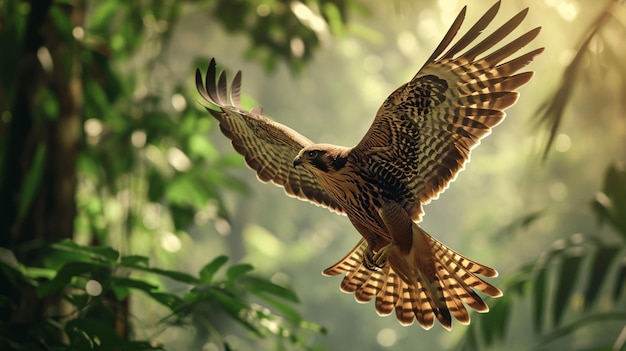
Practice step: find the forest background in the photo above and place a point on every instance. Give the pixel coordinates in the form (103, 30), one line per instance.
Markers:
(127, 222)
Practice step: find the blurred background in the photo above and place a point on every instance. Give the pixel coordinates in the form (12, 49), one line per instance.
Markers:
(121, 200)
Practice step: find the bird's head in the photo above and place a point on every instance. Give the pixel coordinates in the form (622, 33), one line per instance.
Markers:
(321, 157)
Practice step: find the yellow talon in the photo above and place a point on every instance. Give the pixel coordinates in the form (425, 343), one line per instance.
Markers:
(380, 257)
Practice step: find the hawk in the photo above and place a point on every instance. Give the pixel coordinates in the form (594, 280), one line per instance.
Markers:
(419, 141)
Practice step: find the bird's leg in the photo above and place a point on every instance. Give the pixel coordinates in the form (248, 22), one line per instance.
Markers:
(370, 262)
(399, 226)
(380, 257)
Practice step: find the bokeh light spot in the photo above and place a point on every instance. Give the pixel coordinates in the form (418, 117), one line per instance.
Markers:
(178, 102)
(263, 10)
(297, 47)
(178, 159)
(93, 288)
(563, 143)
(78, 33)
(170, 242)
(138, 138)
(93, 127)
(386, 337)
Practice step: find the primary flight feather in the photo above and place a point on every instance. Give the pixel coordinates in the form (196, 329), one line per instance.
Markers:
(420, 139)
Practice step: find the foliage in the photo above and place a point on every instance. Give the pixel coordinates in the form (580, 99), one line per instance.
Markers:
(285, 30)
(571, 277)
(552, 111)
(579, 282)
(137, 166)
(144, 170)
(96, 281)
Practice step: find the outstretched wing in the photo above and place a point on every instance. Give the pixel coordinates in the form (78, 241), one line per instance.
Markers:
(424, 131)
(268, 147)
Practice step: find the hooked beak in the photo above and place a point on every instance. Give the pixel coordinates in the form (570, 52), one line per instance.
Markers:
(297, 161)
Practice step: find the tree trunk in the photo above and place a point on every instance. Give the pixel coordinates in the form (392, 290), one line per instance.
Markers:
(42, 142)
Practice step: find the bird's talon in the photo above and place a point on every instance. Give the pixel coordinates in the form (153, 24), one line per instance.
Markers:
(380, 257)
(370, 263)
(375, 261)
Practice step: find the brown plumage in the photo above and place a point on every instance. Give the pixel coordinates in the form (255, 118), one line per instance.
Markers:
(420, 139)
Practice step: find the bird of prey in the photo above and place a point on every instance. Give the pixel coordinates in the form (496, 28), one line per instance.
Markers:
(420, 139)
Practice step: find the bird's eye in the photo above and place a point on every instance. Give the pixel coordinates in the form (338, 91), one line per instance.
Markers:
(312, 154)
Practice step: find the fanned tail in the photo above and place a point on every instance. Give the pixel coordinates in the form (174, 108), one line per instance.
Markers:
(430, 281)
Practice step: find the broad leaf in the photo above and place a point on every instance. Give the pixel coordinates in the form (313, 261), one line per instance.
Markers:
(65, 275)
(238, 309)
(287, 311)
(132, 283)
(501, 311)
(238, 270)
(539, 295)
(208, 271)
(90, 330)
(105, 253)
(134, 261)
(568, 273)
(599, 268)
(620, 281)
(257, 285)
(174, 275)
(171, 301)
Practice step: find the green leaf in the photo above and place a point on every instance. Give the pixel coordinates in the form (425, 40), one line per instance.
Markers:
(286, 310)
(105, 253)
(238, 270)
(610, 205)
(171, 301)
(31, 182)
(91, 331)
(134, 261)
(97, 103)
(567, 278)
(620, 281)
(470, 343)
(493, 325)
(78, 300)
(120, 292)
(132, 283)
(62, 22)
(208, 271)
(183, 190)
(571, 328)
(232, 160)
(539, 296)
(65, 275)
(334, 18)
(599, 209)
(38, 273)
(200, 145)
(516, 281)
(174, 275)
(102, 14)
(182, 215)
(599, 269)
(87, 164)
(9, 273)
(235, 307)
(156, 187)
(257, 286)
(49, 104)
